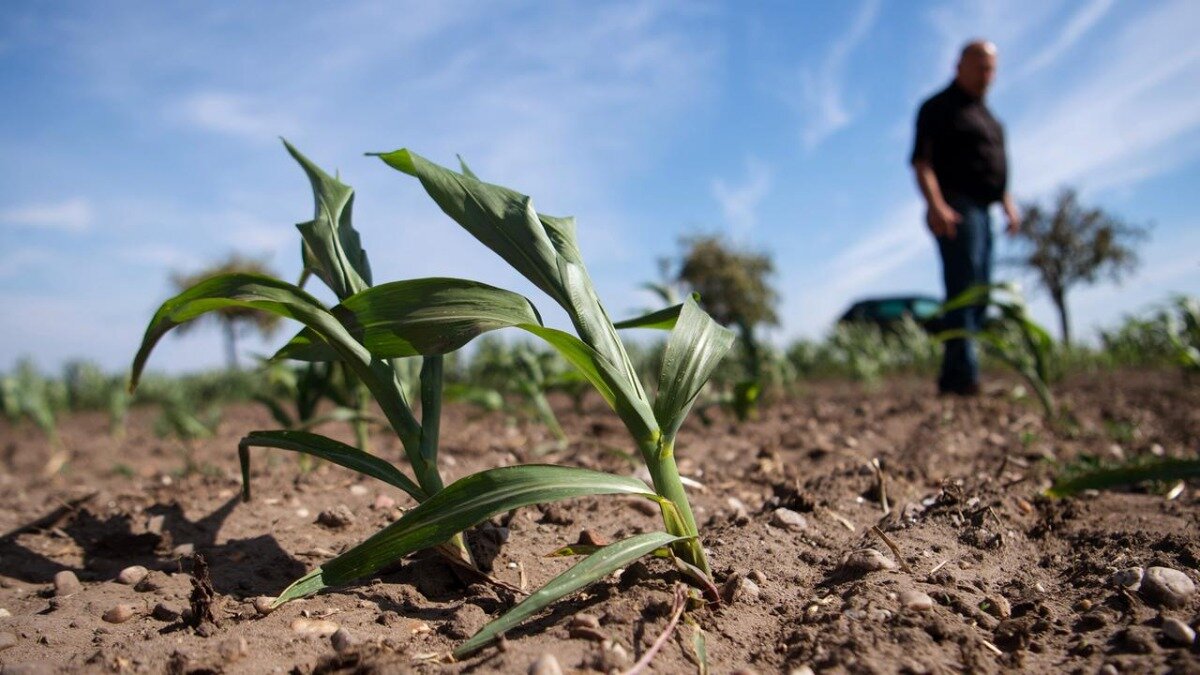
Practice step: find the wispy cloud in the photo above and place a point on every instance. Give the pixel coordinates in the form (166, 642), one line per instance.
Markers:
(232, 114)
(739, 201)
(1076, 27)
(74, 216)
(822, 104)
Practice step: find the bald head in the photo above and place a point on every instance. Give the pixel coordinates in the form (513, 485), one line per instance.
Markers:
(976, 67)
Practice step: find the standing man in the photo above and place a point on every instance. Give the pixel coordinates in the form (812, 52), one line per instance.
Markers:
(962, 170)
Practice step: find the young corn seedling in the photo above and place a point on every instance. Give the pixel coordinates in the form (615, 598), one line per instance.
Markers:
(1015, 339)
(371, 328)
(331, 251)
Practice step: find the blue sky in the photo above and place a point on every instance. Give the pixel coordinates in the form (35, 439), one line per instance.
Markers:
(141, 138)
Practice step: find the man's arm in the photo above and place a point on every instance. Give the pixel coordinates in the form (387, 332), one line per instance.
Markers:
(1012, 214)
(942, 220)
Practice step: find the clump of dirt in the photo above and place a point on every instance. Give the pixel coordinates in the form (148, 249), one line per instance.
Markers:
(800, 511)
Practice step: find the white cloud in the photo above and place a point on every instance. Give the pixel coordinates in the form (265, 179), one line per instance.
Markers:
(74, 216)
(822, 105)
(1076, 27)
(17, 261)
(739, 202)
(1123, 119)
(232, 114)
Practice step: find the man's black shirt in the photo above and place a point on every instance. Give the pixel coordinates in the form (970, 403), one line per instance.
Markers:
(964, 143)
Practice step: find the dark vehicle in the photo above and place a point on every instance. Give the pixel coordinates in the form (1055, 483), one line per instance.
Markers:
(888, 312)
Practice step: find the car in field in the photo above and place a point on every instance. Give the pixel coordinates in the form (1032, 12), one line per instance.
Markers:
(888, 312)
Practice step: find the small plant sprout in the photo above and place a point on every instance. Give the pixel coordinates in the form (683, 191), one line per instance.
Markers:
(374, 327)
(1015, 339)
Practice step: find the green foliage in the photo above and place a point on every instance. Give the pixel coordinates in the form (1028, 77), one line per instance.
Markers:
(1014, 338)
(1093, 475)
(375, 329)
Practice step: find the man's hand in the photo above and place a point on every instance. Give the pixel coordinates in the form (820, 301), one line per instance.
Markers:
(943, 220)
(1013, 216)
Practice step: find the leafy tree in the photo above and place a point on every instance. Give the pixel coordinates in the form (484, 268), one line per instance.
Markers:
(1068, 244)
(233, 320)
(734, 289)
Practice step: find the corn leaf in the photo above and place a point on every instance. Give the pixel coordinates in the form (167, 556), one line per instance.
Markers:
(418, 317)
(287, 300)
(542, 248)
(328, 449)
(332, 247)
(460, 505)
(1168, 469)
(697, 344)
(596, 566)
(243, 290)
(663, 319)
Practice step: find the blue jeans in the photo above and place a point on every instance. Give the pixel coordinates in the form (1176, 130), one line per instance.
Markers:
(966, 261)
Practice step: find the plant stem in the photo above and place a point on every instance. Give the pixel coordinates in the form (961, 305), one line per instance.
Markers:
(362, 433)
(660, 460)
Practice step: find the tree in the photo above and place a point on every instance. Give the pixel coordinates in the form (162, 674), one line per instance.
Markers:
(231, 319)
(734, 289)
(1068, 244)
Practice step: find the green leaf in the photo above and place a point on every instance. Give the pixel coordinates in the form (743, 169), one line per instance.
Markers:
(663, 319)
(419, 317)
(592, 568)
(284, 299)
(463, 504)
(697, 344)
(328, 449)
(502, 219)
(1171, 469)
(332, 247)
(242, 290)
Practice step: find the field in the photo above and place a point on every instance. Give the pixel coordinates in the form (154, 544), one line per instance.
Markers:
(1010, 579)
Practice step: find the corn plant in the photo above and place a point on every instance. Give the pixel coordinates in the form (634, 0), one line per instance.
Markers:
(1015, 339)
(373, 326)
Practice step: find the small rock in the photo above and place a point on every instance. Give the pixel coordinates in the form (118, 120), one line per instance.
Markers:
(153, 581)
(233, 649)
(1129, 578)
(583, 621)
(802, 670)
(4, 613)
(1108, 669)
(317, 627)
(741, 514)
(262, 605)
(120, 613)
(183, 550)
(336, 518)
(342, 641)
(359, 490)
(1167, 586)
(545, 664)
(916, 601)
(66, 583)
(867, 560)
(739, 588)
(789, 520)
(132, 574)
(997, 606)
(383, 503)
(1178, 631)
(165, 612)
(10, 640)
